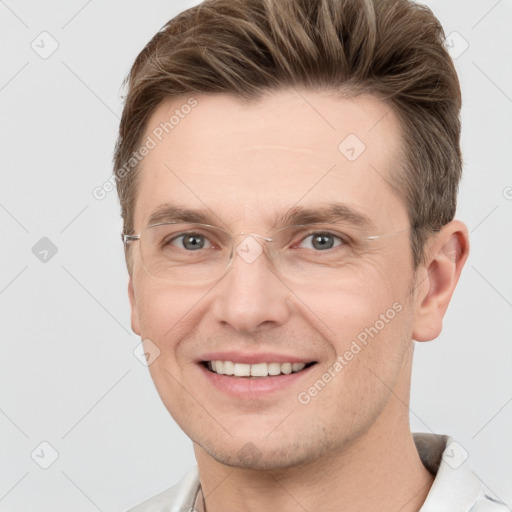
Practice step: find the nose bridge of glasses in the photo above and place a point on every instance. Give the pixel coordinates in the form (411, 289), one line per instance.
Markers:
(249, 248)
(262, 237)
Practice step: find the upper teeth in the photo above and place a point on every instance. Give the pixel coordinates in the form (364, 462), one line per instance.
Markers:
(254, 370)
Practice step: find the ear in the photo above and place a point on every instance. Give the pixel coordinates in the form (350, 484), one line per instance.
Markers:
(446, 255)
(133, 307)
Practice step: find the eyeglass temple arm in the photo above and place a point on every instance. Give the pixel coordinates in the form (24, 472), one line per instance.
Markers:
(129, 238)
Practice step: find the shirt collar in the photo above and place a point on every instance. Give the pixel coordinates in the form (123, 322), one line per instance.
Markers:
(456, 487)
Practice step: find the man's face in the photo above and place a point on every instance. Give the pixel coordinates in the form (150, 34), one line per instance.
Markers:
(245, 166)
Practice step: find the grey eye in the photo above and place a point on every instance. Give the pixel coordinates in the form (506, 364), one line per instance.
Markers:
(191, 241)
(321, 241)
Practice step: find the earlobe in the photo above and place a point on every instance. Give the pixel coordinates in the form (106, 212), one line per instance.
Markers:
(133, 307)
(447, 255)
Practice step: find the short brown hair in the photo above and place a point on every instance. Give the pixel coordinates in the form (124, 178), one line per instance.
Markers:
(393, 49)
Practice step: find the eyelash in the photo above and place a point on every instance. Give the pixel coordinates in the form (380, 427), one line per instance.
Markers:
(342, 239)
(337, 240)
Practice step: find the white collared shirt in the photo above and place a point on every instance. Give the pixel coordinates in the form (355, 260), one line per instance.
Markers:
(455, 489)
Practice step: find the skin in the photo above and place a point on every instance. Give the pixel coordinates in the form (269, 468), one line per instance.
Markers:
(350, 448)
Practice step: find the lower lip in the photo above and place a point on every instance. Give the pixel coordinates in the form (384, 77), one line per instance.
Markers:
(252, 387)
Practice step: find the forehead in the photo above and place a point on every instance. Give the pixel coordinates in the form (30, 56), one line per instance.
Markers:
(246, 162)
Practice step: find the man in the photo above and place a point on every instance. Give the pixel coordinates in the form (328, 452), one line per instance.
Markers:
(288, 172)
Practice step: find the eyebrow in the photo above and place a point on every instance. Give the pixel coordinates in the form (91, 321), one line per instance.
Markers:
(330, 214)
(172, 213)
(297, 215)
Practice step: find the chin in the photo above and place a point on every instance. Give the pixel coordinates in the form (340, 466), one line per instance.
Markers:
(259, 455)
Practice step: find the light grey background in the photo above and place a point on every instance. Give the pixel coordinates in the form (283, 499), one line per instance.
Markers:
(68, 374)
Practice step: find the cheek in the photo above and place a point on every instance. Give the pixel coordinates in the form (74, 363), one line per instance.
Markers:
(379, 330)
(167, 314)
(368, 346)
(167, 317)
(367, 323)
(359, 297)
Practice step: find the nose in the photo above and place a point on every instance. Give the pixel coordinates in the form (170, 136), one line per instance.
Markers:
(251, 296)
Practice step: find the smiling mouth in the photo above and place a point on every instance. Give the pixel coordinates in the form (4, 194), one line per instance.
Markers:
(232, 369)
